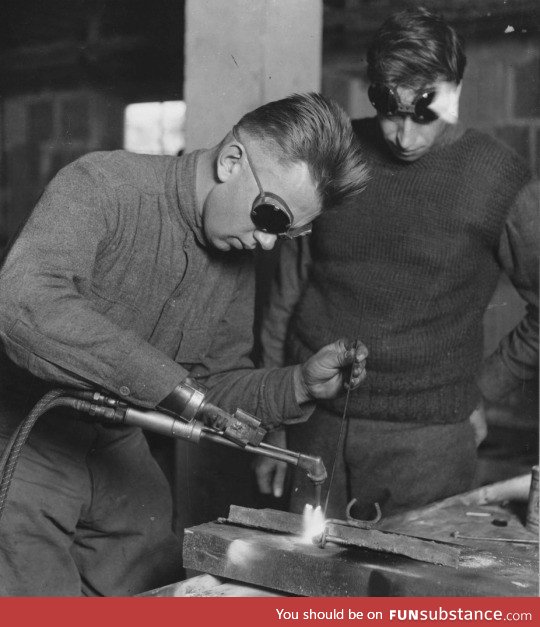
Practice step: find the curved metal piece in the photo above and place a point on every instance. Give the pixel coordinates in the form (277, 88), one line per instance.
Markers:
(356, 522)
(362, 524)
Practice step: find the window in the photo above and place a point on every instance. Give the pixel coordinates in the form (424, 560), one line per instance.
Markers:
(155, 128)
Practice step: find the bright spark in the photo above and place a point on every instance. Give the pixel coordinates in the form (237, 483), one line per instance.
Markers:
(313, 523)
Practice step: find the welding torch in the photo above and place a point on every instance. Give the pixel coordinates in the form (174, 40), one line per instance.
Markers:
(200, 421)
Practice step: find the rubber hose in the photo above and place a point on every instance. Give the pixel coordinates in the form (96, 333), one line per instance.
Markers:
(10, 456)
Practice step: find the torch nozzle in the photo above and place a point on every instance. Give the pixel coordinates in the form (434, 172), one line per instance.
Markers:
(313, 465)
(314, 468)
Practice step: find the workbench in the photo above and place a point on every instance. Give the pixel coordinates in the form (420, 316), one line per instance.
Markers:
(276, 563)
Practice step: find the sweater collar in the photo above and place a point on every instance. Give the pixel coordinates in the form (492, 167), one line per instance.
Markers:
(185, 184)
(452, 134)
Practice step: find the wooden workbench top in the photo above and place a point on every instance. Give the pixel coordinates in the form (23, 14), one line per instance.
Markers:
(285, 564)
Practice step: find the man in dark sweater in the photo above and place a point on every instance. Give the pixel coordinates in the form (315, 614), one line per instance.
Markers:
(132, 273)
(410, 268)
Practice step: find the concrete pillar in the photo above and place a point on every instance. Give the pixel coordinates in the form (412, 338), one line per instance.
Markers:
(240, 54)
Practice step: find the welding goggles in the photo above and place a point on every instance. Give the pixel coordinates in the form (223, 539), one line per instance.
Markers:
(387, 102)
(270, 213)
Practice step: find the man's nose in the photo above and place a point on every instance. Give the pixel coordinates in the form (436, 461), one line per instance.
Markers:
(406, 134)
(265, 240)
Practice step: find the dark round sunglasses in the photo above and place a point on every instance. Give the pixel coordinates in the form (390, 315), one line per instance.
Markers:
(387, 102)
(270, 213)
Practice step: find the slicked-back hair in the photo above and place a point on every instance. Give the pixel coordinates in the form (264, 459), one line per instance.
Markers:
(415, 47)
(315, 130)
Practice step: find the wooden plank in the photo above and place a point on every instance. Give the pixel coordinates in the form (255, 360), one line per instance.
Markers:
(284, 563)
(193, 586)
(270, 560)
(207, 586)
(285, 522)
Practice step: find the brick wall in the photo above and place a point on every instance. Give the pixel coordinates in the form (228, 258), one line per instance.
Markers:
(501, 93)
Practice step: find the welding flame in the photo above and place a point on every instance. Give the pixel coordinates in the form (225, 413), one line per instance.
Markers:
(313, 523)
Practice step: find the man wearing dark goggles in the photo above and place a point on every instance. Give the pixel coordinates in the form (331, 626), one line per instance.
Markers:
(415, 120)
(270, 213)
(239, 212)
(140, 300)
(388, 103)
(411, 267)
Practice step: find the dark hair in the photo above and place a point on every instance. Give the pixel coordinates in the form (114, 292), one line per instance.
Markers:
(315, 130)
(413, 48)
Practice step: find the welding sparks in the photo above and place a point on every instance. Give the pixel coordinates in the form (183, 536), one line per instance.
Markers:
(313, 523)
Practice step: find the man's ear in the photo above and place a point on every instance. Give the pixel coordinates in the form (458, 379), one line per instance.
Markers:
(228, 159)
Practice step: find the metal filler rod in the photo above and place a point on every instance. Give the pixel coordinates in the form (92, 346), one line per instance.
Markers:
(342, 430)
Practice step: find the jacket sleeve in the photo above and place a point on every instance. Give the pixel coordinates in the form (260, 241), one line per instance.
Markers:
(516, 358)
(228, 371)
(287, 286)
(48, 323)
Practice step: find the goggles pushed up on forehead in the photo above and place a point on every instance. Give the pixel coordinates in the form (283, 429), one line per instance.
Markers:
(270, 213)
(387, 102)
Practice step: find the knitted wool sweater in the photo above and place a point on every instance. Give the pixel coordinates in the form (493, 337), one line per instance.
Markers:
(409, 268)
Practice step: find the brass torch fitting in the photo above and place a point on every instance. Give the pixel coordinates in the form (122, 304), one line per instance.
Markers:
(314, 468)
